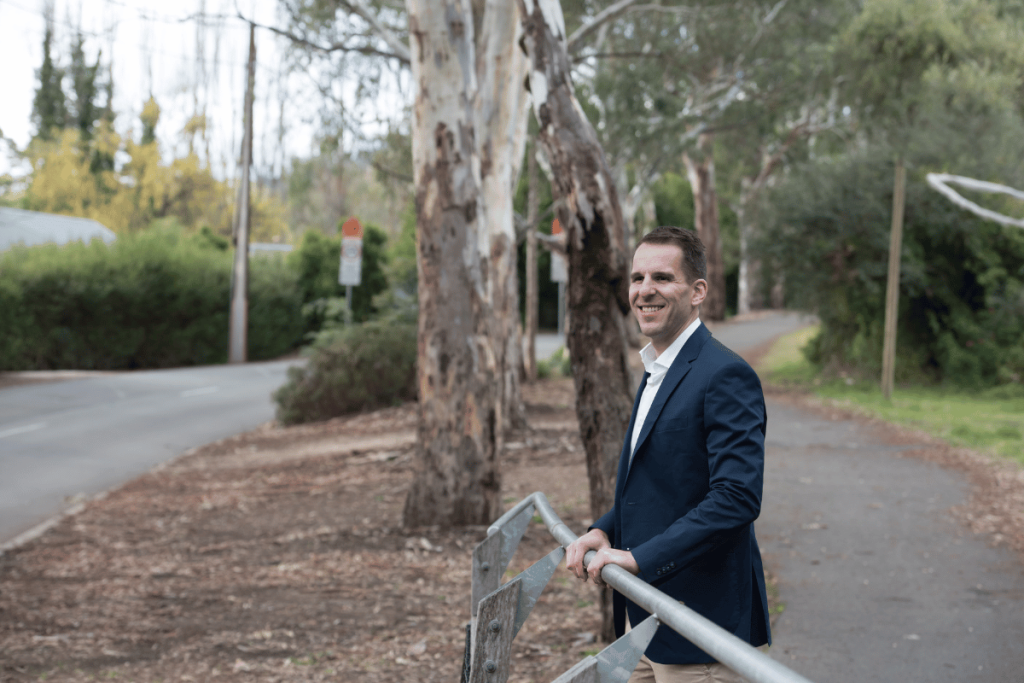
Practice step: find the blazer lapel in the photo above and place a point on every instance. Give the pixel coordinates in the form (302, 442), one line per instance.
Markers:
(676, 373)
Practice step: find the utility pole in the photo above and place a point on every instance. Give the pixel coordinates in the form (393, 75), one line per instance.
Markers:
(238, 343)
(892, 287)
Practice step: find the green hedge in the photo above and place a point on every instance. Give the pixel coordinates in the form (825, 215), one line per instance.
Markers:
(351, 369)
(151, 300)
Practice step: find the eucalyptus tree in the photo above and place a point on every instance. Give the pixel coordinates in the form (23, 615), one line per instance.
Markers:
(667, 86)
(468, 132)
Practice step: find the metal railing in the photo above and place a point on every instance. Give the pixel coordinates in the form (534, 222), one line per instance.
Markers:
(499, 611)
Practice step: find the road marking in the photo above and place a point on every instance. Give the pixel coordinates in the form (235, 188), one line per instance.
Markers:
(199, 392)
(21, 430)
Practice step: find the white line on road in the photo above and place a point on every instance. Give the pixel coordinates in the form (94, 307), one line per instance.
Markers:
(199, 392)
(21, 430)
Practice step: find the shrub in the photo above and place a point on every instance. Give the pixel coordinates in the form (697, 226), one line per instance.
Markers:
(351, 369)
(150, 300)
(558, 365)
(316, 263)
(961, 309)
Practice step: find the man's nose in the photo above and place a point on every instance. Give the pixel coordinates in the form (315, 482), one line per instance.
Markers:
(646, 287)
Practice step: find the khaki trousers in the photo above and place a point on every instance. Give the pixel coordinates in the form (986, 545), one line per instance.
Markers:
(652, 672)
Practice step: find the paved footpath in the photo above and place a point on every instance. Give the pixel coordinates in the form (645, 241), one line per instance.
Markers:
(879, 581)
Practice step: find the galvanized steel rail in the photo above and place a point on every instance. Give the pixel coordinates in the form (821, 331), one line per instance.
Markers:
(504, 609)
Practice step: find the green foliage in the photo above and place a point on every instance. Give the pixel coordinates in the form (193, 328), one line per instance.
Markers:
(558, 365)
(317, 262)
(961, 309)
(84, 110)
(157, 299)
(401, 255)
(989, 420)
(673, 205)
(896, 49)
(49, 108)
(673, 201)
(351, 369)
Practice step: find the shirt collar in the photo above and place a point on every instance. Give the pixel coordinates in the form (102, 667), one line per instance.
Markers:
(658, 365)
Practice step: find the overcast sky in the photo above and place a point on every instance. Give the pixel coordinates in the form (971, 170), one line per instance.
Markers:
(152, 45)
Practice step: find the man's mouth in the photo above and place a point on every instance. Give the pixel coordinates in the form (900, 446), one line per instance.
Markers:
(651, 309)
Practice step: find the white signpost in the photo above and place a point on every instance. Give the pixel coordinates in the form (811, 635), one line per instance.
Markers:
(351, 269)
(559, 274)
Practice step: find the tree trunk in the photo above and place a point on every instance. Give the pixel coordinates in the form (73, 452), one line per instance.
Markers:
(598, 266)
(745, 298)
(532, 209)
(457, 481)
(501, 111)
(700, 169)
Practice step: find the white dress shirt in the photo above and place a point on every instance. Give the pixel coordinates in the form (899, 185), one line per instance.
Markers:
(658, 367)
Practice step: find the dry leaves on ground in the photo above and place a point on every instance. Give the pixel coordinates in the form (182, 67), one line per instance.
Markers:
(277, 555)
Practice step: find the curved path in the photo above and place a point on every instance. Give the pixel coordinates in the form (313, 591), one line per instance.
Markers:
(878, 580)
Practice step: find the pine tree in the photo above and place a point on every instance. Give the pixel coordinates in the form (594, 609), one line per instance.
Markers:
(49, 110)
(84, 109)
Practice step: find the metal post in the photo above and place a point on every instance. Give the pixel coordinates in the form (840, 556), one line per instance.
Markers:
(348, 304)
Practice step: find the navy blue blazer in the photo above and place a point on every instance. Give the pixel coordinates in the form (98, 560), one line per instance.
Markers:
(686, 506)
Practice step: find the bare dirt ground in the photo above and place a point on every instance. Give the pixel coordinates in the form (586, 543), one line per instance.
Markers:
(277, 555)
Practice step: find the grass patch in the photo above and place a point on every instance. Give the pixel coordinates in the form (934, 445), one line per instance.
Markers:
(991, 421)
(785, 364)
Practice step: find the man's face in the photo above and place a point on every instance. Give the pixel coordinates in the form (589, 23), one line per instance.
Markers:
(662, 299)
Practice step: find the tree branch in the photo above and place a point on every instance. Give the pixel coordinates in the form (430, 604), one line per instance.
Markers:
(400, 49)
(607, 14)
(333, 47)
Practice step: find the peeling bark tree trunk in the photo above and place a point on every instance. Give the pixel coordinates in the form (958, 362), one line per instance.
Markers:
(457, 481)
(598, 266)
(501, 109)
(700, 170)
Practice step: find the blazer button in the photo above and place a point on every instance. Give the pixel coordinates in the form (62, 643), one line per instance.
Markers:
(659, 572)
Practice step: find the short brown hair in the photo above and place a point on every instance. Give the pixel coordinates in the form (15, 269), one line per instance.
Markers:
(695, 261)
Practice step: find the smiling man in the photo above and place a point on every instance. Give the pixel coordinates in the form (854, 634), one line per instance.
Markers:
(691, 471)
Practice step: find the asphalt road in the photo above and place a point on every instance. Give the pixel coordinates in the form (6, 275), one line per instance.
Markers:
(879, 581)
(68, 439)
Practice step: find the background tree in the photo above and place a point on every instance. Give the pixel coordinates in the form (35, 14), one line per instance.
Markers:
(948, 98)
(49, 112)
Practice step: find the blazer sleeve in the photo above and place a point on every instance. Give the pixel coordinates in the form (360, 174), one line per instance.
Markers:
(734, 423)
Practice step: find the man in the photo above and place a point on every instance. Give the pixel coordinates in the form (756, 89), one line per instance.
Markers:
(691, 471)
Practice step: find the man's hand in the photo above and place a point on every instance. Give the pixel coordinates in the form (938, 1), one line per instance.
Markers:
(622, 558)
(595, 539)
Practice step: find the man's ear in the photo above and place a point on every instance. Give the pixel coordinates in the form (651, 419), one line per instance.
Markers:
(700, 290)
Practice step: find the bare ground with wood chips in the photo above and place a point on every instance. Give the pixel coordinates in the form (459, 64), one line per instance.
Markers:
(277, 555)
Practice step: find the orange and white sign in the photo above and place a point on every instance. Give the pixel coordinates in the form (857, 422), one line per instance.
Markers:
(350, 271)
(559, 269)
